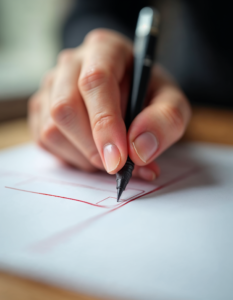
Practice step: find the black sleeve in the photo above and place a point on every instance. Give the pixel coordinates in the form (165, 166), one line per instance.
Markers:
(194, 46)
(86, 15)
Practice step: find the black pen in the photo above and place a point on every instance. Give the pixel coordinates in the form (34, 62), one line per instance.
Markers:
(144, 52)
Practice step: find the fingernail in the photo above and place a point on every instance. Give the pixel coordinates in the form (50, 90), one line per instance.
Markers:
(145, 146)
(146, 174)
(112, 157)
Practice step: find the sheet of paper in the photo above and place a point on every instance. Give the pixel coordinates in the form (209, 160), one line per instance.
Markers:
(170, 239)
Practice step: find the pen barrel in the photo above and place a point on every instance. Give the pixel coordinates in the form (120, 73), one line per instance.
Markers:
(144, 53)
(143, 61)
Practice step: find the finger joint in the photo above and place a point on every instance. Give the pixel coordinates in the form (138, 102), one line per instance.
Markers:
(102, 121)
(65, 56)
(50, 135)
(62, 113)
(93, 79)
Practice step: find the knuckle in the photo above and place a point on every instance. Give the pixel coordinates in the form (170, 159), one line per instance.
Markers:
(102, 121)
(65, 56)
(93, 79)
(62, 113)
(97, 35)
(50, 134)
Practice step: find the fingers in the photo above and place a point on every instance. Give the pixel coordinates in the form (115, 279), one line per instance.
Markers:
(54, 141)
(99, 84)
(68, 110)
(91, 117)
(46, 133)
(159, 125)
(78, 114)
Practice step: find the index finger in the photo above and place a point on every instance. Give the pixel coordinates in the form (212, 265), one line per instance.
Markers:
(104, 65)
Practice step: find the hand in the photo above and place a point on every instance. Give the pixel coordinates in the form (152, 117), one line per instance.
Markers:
(78, 113)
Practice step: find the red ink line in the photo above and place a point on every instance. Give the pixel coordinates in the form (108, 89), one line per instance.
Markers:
(93, 204)
(133, 197)
(87, 186)
(118, 203)
(104, 199)
(177, 179)
(50, 242)
(108, 198)
(63, 182)
(138, 194)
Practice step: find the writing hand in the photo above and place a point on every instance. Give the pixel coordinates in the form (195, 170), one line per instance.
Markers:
(78, 113)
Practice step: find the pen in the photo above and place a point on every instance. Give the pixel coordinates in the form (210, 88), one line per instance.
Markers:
(144, 51)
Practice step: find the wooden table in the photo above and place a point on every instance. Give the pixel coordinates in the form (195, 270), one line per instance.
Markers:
(207, 125)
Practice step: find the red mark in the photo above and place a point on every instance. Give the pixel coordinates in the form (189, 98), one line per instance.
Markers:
(78, 200)
(123, 200)
(32, 178)
(93, 204)
(56, 239)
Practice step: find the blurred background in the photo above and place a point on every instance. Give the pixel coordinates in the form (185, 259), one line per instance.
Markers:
(30, 39)
(194, 46)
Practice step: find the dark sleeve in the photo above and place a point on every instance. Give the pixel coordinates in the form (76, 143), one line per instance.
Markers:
(86, 15)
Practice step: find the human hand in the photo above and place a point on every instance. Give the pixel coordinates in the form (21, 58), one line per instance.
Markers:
(78, 112)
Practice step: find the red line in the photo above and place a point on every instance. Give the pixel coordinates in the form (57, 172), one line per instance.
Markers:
(133, 197)
(48, 243)
(108, 198)
(118, 203)
(102, 206)
(179, 178)
(63, 182)
(138, 194)
(104, 199)
(83, 185)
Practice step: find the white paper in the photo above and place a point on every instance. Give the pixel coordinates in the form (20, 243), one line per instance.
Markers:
(170, 239)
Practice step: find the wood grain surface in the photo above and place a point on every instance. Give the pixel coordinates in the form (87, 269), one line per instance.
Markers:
(207, 125)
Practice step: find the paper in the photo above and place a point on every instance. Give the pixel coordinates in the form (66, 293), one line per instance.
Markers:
(170, 239)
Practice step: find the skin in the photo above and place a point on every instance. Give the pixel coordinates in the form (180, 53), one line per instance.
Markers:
(80, 106)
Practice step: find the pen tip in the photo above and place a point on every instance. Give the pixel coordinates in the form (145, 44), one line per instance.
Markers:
(119, 193)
